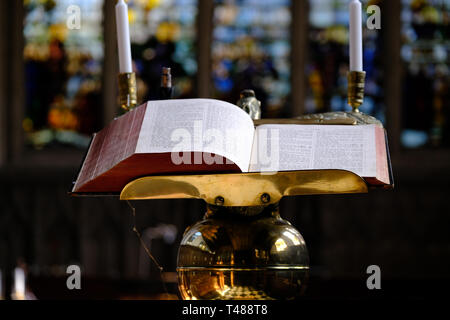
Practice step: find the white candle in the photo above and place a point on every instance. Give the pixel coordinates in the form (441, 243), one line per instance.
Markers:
(123, 37)
(19, 283)
(1, 285)
(356, 52)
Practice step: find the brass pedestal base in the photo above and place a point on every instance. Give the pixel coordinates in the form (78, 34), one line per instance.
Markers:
(246, 253)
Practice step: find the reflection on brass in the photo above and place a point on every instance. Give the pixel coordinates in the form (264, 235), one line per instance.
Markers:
(241, 211)
(265, 198)
(250, 104)
(228, 256)
(219, 201)
(127, 91)
(229, 186)
(356, 83)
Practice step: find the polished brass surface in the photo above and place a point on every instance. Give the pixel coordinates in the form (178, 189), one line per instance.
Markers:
(260, 189)
(362, 118)
(337, 118)
(233, 256)
(356, 84)
(127, 91)
(309, 119)
(327, 118)
(250, 104)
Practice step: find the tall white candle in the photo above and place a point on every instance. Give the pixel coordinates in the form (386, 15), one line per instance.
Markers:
(123, 37)
(356, 52)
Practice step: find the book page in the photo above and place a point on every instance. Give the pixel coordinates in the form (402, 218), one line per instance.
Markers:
(309, 147)
(185, 126)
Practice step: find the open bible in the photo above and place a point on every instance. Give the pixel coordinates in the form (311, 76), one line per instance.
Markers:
(205, 136)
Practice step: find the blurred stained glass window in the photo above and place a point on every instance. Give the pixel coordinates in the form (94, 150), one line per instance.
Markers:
(328, 60)
(251, 50)
(163, 34)
(426, 56)
(63, 68)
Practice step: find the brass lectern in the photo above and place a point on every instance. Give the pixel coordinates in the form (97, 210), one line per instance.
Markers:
(243, 249)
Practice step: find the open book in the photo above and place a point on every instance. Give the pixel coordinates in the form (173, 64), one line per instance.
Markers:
(197, 136)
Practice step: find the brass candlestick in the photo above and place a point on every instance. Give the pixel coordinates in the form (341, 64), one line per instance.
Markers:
(127, 91)
(356, 83)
